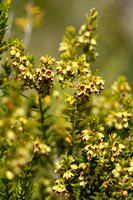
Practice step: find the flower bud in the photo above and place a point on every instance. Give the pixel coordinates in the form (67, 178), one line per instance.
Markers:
(12, 53)
(125, 193)
(17, 55)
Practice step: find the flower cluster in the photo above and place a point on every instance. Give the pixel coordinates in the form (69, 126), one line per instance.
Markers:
(121, 177)
(86, 178)
(115, 106)
(116, 149)
(121, 86)
(95, 147)
(119, 120)
(117, 170)
(66, 164)
(21, 63)
(86, 40)
(22, 155)
(41, 78)
(69, 44)
(41, 148)
(44, 76)
(130, 170)
(71, 71)
(66, 71)
(87, 169)
(91, 85)
(67, 168)
(60, 187)
(96, 151)
(91, 136)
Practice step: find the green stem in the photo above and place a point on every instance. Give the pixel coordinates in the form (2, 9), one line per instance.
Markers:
(42, 118)
(75, 114)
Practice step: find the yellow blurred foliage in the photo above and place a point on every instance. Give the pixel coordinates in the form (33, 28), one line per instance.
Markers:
(112, 112)
(68, 140)
(34, 17)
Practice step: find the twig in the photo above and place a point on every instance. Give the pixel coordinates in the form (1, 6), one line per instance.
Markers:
(28, 29)
(42, 118)
(75, 112)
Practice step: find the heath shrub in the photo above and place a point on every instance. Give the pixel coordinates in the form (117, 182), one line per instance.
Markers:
(49, 149)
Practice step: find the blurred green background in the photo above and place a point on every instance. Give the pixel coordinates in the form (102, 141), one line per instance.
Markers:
(115, 42)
